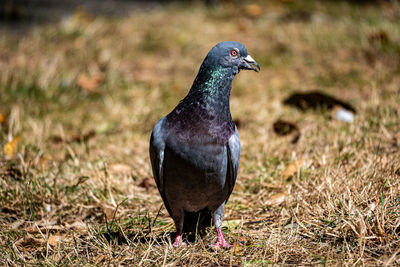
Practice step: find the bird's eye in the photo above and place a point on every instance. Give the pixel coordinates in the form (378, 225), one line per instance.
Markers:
(234, 52)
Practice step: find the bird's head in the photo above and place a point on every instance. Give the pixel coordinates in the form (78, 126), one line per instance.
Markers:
(231, 55)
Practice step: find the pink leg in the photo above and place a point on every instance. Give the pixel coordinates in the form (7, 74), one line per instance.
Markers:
(179, 216)
(221, 243)
(178, 241)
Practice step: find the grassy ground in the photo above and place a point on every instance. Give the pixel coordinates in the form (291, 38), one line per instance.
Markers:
(84, 94)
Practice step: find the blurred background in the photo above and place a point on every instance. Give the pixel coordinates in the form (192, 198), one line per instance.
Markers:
(27, 13)
(82, 83)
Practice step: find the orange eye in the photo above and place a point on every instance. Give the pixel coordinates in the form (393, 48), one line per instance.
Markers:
(234, 53)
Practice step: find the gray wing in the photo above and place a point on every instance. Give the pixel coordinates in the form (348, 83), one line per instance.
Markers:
(157, 147)
(233, 151)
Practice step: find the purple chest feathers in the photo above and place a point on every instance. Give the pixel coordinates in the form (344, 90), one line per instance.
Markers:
(200, 123)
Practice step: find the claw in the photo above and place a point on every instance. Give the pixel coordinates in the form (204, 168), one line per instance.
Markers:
(178, 241)
(221, 242)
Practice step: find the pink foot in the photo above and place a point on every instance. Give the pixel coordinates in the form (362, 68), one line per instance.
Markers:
(221, 243)
(178, 241)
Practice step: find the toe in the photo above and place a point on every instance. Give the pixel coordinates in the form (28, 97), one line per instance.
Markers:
(178, 244)
(224, 245)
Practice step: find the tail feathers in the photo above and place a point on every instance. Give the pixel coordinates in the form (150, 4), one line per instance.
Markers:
(197, 221)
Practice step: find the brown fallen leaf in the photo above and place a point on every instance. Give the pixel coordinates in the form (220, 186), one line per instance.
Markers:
(77, 226)
(11, 147)
(283, 128)
(379, 37)
(83, 137)
(292, 169)
(110, 212)
(29, 241)
(34, 230)
(56, 139)
(2, 118)
(17, 224)
(253, 10)
(276, 199)
(54, 240)
(44, 161)
(237, 249)
(90, 83)
(43, 227)
(147, 183)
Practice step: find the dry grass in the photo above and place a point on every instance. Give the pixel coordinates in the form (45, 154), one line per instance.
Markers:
(78, 190)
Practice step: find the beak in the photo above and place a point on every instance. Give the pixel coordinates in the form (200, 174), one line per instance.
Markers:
(248, 63)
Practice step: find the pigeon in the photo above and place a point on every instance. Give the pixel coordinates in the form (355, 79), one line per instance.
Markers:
(195, 149)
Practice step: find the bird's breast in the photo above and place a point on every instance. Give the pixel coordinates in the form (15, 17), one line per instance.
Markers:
(197, 173)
